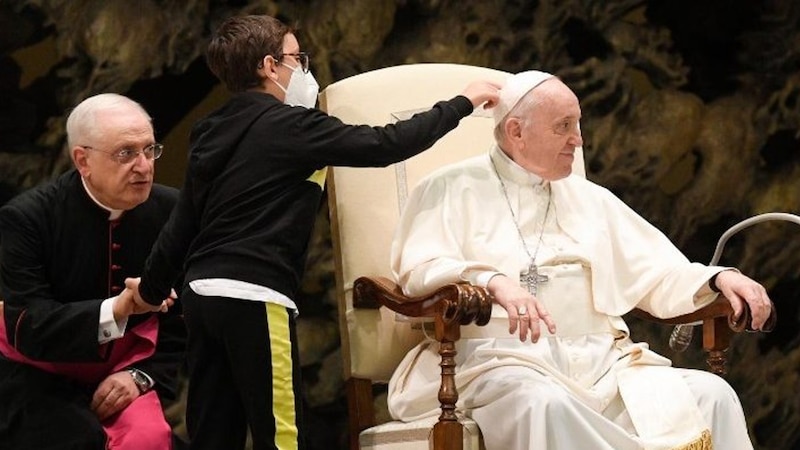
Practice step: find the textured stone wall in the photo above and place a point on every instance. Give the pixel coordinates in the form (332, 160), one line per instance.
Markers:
(691, 115)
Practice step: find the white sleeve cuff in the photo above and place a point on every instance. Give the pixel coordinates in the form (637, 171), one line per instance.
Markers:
(109, 329)
(479, 278)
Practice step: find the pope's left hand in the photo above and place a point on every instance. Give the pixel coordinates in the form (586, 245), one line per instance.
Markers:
(740, 289)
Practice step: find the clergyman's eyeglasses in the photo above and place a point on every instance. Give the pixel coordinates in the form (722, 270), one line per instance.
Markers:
(127, 155)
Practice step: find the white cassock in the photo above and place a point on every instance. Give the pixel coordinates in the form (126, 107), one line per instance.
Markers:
(588, 386)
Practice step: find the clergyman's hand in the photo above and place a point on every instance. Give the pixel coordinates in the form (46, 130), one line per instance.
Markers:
(524, 310)
(124, 306)
(114, 394)
(133, 284)
(739, 289)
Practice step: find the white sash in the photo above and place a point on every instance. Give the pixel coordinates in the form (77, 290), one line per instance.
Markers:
(567, 295)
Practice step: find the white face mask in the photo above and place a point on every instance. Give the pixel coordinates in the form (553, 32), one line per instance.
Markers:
(302, 90)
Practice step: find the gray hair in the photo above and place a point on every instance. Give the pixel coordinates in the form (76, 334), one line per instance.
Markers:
(522, 110)
(81, 123)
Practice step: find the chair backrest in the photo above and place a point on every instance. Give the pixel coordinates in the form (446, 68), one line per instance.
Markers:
(365, 204)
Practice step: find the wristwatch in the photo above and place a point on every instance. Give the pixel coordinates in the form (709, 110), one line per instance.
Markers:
(142, 381)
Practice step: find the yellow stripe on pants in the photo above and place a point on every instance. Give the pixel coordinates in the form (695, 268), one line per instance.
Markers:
(282, 383)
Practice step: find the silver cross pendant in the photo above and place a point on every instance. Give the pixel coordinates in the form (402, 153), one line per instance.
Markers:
(530, 278)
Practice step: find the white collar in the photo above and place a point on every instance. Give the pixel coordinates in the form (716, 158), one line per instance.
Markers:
(113, 214)
(510, 170)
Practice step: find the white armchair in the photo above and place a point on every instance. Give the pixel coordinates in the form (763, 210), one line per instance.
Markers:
(376, 323)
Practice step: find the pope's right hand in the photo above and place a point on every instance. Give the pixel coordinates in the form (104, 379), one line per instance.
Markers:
(525, 312)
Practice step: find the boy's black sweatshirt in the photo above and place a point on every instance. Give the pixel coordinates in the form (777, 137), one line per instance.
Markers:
(250, 197)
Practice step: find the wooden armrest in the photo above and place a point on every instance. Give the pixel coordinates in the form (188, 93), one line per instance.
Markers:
(719, 308)
(450, 306)
(459, 303)
(718, 326)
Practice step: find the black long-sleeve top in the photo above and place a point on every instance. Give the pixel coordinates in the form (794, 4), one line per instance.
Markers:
(60, 257)
(252, 188)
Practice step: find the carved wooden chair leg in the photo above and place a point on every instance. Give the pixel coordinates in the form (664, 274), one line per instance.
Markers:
(716, 340)
(448, 433)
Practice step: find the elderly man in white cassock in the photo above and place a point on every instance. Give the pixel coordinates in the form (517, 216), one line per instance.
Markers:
(565, 259)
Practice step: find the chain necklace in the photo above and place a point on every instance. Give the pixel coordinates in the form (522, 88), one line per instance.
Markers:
(529, 277)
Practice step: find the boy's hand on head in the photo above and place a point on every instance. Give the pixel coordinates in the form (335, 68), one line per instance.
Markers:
(483, 92)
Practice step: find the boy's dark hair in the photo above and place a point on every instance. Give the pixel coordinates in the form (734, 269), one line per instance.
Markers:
(239, 45)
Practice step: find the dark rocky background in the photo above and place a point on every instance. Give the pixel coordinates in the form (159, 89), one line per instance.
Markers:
(691, 115)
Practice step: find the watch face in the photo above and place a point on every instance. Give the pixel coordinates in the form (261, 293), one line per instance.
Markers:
(141, 381)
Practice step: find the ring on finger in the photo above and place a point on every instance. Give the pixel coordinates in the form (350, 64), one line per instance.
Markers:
(522, 310)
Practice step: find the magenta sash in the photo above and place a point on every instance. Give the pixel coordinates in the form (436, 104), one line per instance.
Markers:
(144, 417)
(137, 344)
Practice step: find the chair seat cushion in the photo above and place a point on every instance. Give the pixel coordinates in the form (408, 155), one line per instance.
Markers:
(398, 435)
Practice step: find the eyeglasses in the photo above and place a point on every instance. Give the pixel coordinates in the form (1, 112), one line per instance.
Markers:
(128, 155)
(301, 57)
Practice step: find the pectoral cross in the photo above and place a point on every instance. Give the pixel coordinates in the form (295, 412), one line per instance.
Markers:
(531, 278)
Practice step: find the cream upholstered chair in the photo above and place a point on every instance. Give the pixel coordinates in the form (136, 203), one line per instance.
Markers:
(365, 205)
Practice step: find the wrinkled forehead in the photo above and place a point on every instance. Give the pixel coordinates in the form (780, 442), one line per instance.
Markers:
(122, 123)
